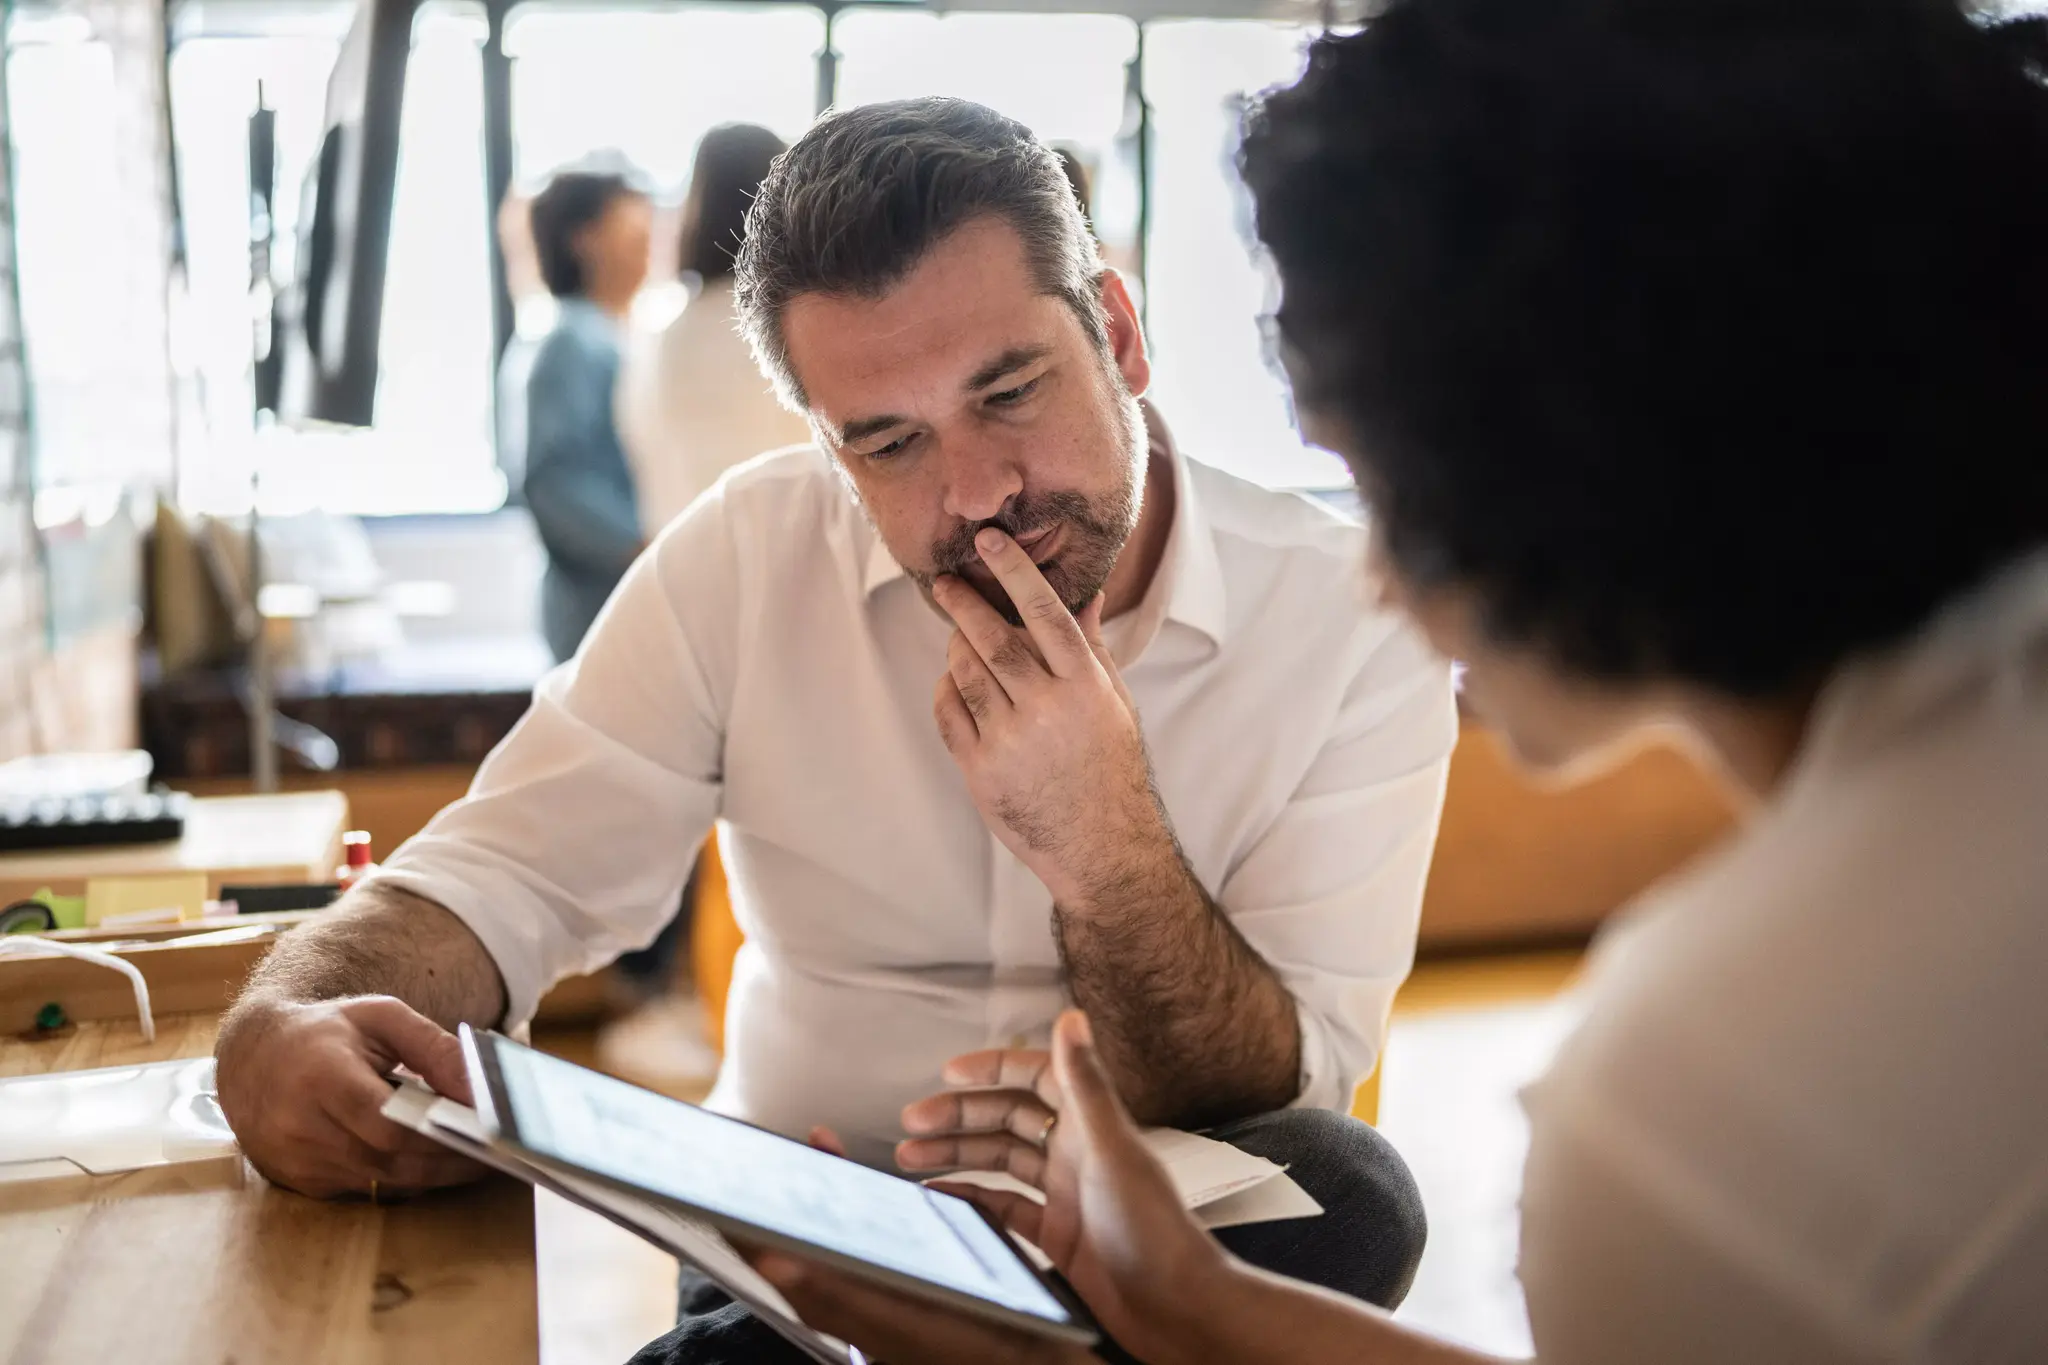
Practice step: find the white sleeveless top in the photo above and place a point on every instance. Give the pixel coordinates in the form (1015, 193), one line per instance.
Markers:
(692, 404)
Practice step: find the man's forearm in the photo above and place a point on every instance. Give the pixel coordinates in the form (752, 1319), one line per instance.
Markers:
(1196, 1027)
(382, 941)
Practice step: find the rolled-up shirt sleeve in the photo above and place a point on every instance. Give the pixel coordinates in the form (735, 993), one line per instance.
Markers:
(575, 840)
(1331, 893)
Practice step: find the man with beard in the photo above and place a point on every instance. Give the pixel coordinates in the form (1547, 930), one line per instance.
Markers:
(906, 669)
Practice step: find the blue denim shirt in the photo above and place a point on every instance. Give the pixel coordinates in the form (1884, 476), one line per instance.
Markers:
(577, 483)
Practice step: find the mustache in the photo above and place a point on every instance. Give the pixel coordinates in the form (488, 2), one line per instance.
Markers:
(1019, 517)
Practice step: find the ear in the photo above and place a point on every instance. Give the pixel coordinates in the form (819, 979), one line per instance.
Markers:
(1126, 337)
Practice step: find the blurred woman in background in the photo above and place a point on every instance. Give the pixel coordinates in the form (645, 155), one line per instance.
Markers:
(591, 233)
(693, 403)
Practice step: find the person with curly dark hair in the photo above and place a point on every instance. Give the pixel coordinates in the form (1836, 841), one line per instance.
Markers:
(1692, 358)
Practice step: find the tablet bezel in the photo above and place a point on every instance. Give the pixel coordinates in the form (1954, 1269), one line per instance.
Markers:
(494, 1109)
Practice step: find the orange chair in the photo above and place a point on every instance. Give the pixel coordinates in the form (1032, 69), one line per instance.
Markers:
(1365, 1100)
(715, 940)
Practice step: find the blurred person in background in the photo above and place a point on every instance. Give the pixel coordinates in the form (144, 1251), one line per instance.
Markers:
(1119, 256)
(692, 403)
(515, 364)
(1689, 354)
(1077, 176)
(591, 232)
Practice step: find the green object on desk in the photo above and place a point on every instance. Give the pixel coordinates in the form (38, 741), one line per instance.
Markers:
(26, 917)
(44, 911)
(68, 910)
(51, 1016)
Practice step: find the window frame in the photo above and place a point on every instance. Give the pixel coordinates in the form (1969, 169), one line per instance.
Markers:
(227, 18)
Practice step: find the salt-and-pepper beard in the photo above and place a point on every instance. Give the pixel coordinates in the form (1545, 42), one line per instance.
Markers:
(1096, 528)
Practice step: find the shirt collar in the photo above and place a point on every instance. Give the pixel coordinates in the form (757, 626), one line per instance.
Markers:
(1187, 589)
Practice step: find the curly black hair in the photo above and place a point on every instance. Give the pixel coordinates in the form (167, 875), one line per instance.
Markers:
(1702, 340)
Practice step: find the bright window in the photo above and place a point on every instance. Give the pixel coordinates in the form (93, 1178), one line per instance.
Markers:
(591, 84)
(213, 87)
(1213, 377)
(1064, 76)
(431, 450)
(94, 348)
(649, 83)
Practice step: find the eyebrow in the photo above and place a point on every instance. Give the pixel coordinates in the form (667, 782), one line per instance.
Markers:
(1008, 363)
(860, 428)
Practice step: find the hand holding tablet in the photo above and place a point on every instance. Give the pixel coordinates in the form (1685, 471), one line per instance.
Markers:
(761, 1188)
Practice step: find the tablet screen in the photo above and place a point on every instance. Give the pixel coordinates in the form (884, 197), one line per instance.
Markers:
(575, 1116)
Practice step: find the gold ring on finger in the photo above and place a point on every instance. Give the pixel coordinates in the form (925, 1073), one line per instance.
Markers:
(1045, 1133)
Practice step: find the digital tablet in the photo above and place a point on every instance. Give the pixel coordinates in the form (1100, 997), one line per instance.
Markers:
(759, 1187)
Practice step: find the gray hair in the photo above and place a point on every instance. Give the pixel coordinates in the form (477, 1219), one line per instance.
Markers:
(862, 197)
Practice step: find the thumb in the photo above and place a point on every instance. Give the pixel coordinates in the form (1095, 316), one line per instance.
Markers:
(396, 1034)
(1091, 1100)
(1090, 621)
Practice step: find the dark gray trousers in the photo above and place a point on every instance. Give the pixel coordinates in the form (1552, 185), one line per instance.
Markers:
(1367, 1244)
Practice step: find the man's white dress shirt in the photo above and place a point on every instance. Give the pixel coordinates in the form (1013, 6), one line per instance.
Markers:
(1805, 1121)
(768, 665)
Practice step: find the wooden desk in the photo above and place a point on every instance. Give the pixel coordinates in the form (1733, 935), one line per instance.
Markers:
(295, 837)
(207, 1262)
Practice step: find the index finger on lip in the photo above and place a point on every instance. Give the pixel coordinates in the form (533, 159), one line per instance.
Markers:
(1052, 627)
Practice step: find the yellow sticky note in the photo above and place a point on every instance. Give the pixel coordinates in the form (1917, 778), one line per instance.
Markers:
(123, 897)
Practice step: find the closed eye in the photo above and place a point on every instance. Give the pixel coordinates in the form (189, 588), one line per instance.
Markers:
(894, 447)
(1011, 397)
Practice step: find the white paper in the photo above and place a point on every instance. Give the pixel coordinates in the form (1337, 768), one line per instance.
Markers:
(1221, 1185)
(1276, 1199)
(1205, 1170)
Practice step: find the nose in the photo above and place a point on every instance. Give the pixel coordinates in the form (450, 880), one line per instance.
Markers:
(980, 478)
